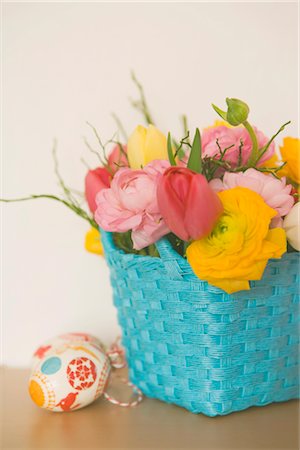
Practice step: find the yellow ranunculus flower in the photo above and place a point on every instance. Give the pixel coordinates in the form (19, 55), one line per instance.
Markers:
(238, 248)
(290, 153)
(271, 163)
(219, 123)
(145, 145)
(93, 241)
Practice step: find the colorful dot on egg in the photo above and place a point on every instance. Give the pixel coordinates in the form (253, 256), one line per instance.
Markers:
(51, 365)
(36, 393)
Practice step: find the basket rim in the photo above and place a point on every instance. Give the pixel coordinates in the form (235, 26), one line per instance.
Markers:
(179, 267)
(163, 246)
(167, 252)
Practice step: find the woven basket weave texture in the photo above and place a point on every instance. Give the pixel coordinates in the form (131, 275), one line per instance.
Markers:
(191, 344)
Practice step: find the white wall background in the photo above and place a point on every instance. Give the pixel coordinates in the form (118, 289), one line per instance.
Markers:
(65, 63)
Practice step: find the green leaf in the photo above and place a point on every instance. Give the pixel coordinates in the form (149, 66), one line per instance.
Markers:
(124, 242)
(170, 151)
(219, 111)
(195, 161)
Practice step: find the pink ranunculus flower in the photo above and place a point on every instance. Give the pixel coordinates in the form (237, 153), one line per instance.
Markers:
(232, 136)
(275, 192)
(131, 204)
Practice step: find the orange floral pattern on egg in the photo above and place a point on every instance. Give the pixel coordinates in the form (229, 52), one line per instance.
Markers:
(81, 373)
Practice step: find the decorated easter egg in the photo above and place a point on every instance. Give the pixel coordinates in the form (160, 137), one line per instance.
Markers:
(69, 372)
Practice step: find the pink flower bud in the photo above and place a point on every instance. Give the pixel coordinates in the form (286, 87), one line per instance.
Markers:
(117, 158)
(188, 205)
(95, 181)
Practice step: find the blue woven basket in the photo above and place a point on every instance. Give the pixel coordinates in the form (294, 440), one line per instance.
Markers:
(191, 344)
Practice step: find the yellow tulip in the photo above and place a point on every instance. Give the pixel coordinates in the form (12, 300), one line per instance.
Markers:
(93, 241)
(145, 145)
(238, 248)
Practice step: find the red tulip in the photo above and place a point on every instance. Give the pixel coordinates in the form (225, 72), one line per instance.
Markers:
(95, 181)
(117, 158)
(188, 205)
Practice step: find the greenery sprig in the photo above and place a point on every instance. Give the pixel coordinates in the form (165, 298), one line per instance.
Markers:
(141, 104)
(68, 199)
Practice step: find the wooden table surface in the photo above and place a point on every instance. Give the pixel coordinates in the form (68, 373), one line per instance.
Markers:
(152, 425)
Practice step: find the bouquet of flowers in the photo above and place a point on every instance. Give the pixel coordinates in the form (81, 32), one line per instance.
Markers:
(223, 199)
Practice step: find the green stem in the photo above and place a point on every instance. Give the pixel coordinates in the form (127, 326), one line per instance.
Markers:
(141, 104)
(185, 126)
(71, 199)
(266, 147)
(120, 126)
(185, 246)
(254, 152)
(80, 212)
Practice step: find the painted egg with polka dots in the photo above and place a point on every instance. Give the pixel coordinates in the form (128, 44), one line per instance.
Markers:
(69, 372)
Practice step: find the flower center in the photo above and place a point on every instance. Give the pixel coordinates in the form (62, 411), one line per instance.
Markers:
(228, 234)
